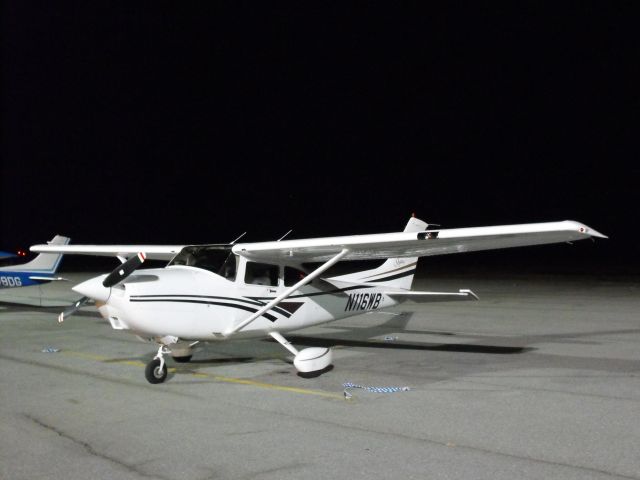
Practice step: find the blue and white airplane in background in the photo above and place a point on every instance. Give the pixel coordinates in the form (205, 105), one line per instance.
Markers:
(5, 255)
(39, 270)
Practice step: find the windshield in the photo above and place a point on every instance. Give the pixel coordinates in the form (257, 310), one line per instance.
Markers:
(216, 258)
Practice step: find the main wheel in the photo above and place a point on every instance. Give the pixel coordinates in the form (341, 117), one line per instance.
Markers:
(184, 359)
(154, 373)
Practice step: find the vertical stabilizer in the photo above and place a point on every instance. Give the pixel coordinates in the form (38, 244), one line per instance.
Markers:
(45, 262)
(394, 272)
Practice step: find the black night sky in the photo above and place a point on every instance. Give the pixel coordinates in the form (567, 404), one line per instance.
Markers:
(160, 122)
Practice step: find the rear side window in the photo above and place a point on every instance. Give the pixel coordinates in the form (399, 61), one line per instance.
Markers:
(292, 276)
(261, 274)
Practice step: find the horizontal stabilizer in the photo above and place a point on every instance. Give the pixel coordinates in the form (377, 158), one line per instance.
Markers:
(428, 297)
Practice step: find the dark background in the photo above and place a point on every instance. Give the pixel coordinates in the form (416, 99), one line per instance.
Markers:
(171, 123)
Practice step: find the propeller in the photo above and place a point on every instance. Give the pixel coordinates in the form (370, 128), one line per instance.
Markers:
(73, 308)
(115, 277)
(124, 270)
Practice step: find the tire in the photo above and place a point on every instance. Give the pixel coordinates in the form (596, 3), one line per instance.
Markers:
(184, 359)
(153, 373)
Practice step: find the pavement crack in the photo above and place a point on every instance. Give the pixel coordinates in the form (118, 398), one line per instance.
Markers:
(460, 446)
(292, 467)
(90, 449)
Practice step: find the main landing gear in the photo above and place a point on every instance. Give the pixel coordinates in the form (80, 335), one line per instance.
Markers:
(309, 360)
(312, 360)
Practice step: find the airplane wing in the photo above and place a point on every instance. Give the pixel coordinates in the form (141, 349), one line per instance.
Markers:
(416, 244)
(154, 252)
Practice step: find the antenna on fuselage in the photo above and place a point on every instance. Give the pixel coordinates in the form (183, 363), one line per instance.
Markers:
(282, 237)
(238, 238)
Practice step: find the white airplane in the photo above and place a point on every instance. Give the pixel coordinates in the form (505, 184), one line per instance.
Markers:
(40, 270)
(247, 290)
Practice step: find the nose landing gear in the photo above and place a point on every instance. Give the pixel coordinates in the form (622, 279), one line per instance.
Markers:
(156, 370)
(181, 352)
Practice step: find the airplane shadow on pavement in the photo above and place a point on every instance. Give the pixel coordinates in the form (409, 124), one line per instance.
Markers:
(365, 338)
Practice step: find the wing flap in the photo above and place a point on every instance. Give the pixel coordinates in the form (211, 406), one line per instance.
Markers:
(417, 244)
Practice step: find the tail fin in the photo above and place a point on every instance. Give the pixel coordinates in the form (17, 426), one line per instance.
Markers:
(45, 262)
(394, 272)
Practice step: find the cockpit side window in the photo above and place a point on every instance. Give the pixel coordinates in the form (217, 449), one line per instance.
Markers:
(229, 267)
(261, 274)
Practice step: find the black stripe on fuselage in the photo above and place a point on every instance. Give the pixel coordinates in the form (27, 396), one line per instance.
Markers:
(258, 301)
(316, 294)
(252, 302)
(268, 316)
(281, 311)
(394, 277)
(403, 267)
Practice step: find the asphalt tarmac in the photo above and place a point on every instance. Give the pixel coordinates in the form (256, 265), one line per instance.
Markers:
(538, 379)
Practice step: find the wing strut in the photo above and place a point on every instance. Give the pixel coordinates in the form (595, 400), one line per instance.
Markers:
(313, 275)
(284, 342)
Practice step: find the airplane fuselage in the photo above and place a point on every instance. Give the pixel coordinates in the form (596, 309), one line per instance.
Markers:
(195, 304)
(10, 279)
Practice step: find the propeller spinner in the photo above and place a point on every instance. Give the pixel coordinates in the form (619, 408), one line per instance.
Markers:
(93, 289)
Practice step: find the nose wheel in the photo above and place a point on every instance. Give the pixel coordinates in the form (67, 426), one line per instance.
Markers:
(156, 370)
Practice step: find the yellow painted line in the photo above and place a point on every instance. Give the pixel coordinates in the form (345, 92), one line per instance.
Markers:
(218, 378)
(99, 358)
(273, 386)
